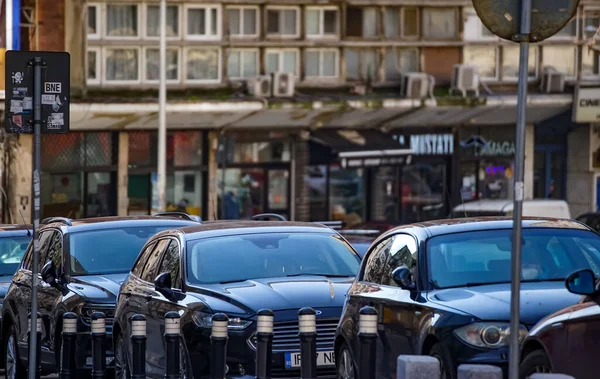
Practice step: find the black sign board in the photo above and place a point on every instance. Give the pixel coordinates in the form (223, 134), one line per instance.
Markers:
(55, 99)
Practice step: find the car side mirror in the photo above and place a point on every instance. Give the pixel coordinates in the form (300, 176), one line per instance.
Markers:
(581, 282)
(402, 276)
(48, 273)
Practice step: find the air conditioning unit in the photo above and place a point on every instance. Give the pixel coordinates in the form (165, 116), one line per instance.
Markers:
(414, 85)
(283, 84)
(465, 78)
(553, 81)
(259, 86)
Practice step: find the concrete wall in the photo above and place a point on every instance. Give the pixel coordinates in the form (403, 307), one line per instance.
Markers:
(580, 178)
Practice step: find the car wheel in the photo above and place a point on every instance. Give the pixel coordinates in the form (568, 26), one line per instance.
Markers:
(13, 368)
(446, 367)
(345, 363)
(535, 362)
(121, 362)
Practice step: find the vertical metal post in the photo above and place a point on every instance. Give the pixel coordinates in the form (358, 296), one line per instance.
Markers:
(367, 336)
(138, 344)
(218, 346)
(35, 183)
(162, 112)
(264, 343)
(69, 336)
(307, 325)
(519, 189)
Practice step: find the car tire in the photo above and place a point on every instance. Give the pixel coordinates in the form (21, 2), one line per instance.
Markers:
(122, 370)
(447, 370)
(13, 368)
(535, 362)
(344, 364)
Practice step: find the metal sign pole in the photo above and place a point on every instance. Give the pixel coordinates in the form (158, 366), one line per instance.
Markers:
(37, 142)
(514, 358)
(162, 115)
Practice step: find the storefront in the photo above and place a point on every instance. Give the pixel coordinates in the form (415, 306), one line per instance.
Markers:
(371, 176)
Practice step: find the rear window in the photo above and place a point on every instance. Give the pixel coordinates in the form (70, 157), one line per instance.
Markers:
(12, 250)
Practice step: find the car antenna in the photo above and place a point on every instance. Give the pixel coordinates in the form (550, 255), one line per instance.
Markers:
(24, 223)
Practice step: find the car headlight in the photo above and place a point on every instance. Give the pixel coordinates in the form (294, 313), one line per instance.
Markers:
(488, 334)
(204, 320)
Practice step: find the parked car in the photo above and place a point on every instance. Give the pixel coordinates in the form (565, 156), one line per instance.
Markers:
(236, 268)
(82, 263)
(531, 208)
(566, 342)
(442, 288)
(591, 219)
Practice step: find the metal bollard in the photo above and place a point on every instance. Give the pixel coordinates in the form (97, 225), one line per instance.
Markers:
(264, 345)
(218, 346)
(138, 344)
(308, 343)
(172, 335)
(38, 352)
(367, 336)
(69, 337)
(98, 345)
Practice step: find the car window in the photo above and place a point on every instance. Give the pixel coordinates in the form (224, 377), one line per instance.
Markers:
(141, 262)
(398, 250)
(484, 257)
(170, 263)
(55, 250)
(151, 268)
(373, 271)
(44, 246)
(12, 250)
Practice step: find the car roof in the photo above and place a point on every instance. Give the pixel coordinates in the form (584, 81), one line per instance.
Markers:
(14, 230)
(100, 223)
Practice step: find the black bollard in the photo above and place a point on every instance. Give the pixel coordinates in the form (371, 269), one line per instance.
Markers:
(367, 336)
(264, 345)
(69, 337)
(38, 353)
(98, 345)
(218, 346)
(308, 343)
(138, 345)
(172, 335)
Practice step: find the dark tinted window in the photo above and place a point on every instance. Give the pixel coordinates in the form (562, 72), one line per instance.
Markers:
(170, 263)
(44, 245)
(151, 268)
(55, 250)
(12, 250)
(141, 263)
(393, 252)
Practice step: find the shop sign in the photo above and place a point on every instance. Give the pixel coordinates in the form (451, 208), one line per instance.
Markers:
(429, 144)
(586, 107)
(484, 148)
(375, 162)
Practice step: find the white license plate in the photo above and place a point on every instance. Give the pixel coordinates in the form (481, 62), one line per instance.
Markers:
(324, 358)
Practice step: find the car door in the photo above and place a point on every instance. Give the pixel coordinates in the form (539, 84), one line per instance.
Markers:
(583, 341)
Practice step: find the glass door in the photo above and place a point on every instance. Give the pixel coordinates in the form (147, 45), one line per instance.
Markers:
(278, 192)
(100, 194)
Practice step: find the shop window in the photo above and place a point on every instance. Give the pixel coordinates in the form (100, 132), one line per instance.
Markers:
(361, 22)
(347, 195)
(495, 179)
(440, 23)
(257, 152)
(361, 64)
(485, 58)
(184, 192)
(423, 192)
(561, 58)
(384, 195)
(184, 148)
(510, 62)
(244, 193)
(62, 195)
(77, 150)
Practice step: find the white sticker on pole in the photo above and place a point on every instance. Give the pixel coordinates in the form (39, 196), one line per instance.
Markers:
(519, 191)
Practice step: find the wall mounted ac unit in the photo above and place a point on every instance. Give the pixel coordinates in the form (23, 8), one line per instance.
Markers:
(465, 79)
(553, 81)
(283, 84)
(414, 85)
(259, 86)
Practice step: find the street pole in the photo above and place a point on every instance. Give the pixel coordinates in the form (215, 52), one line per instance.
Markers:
(515, 301)
(162, 112)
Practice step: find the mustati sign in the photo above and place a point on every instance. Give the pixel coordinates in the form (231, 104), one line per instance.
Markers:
(432, 144)
(586, 105)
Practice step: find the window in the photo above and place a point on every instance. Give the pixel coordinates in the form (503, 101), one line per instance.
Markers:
(590, 63)
(321, 22)
(170, 263)
(93, 16)
(473, 27)
(361, 64)
(151, 269)
(485, 58)
(510, 62)
(283, 21)
(12, 250)
(45, 240)
(203, 22)
(400, 61)
(243, 21)
(55, 251)
(153, 65)
(122, 64)
(93, 66)
(153, 21)
(143, 259)
(321, 63)
(361, 22)
(256, 152)
(562, 58)
(203, 65)
(591, 22)
(122, 21)
(347, 193)
(285, 60)
(401, 22)
(440, 23)
(569, 31)
(242, 63)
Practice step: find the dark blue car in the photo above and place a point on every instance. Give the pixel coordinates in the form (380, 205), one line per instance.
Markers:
(14, 240)
(442, 288)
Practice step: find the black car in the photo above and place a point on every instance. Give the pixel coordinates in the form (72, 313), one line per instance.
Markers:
(442, 288)
(82, 264)
(237, 268)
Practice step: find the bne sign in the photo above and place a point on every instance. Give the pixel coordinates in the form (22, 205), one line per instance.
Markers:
(52, 87)
(586, 105)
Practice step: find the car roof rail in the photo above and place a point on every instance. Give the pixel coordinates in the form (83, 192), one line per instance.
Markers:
(332, 224)
(363, 232)
(64, 220)
(181, 215)
(268, 217)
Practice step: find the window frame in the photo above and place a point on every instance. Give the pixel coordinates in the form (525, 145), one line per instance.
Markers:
(497, 64)
(280, 52)
(98, 51)
(207, 20)
(241, 50)
(587, 9)
(575, 59)
(141, 23)
(105, 79)
(469, 15)
(321, 51)
(179, 257)
(404, 36)
(321, 10)
(145, 68)
(457, 20)
(241, 8)
(596, 76)
(282, 8)
(185, 79)
(515, 79)
(179, 20)
(99, 28)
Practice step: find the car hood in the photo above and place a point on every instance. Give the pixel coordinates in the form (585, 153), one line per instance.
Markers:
(276, 294)
(98, 288)
(492, 302)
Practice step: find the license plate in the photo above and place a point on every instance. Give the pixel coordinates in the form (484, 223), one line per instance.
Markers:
(324, 358)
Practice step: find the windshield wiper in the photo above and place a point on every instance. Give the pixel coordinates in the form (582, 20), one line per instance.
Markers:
(475, 284)
(232, 281)
(542, 280)
(315, 274)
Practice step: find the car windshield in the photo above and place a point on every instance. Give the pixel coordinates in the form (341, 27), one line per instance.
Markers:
(361, 247)
(269, 255)
(109, 251)
(12, 250)
(484, 257)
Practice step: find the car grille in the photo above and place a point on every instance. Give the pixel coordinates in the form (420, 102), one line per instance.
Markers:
(286, 339)
(322, 373)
